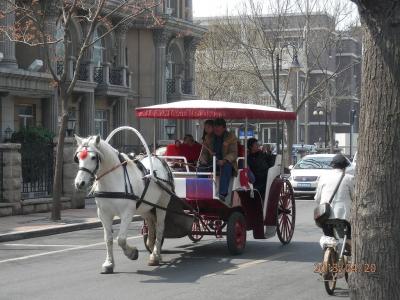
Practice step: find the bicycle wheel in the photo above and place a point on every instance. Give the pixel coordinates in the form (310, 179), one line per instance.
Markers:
(329, 264)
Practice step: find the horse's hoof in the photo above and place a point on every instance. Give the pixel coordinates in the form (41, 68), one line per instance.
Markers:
(134, 254)
(107, 269)
(153, 262)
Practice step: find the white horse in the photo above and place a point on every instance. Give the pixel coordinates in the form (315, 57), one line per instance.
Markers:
(100, 167)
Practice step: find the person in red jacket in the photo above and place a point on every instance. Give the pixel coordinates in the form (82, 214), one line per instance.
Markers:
(190, 149)
(174, 149)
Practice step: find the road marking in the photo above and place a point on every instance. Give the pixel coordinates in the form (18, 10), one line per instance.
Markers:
(248, 264)
(60, 251)
(36, 245)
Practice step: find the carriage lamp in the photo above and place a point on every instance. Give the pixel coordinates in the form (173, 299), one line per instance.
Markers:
(7, 134)
(170, 130)
(71, 126)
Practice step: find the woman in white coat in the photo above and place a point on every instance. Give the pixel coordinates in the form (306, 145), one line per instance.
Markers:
(341, 203)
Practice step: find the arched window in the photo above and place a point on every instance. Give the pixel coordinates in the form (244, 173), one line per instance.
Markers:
(98, 48)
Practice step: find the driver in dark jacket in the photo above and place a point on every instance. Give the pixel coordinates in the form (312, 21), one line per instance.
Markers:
(259, 162)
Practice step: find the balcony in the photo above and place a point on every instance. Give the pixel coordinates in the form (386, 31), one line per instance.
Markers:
(116, 76)
(83, 70)
(177, 84)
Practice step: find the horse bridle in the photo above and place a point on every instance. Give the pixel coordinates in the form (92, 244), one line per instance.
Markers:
(76, 159)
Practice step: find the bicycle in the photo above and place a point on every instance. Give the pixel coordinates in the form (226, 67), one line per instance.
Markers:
(336, 258)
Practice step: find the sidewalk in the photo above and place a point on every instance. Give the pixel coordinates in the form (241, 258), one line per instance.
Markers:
(34, 225)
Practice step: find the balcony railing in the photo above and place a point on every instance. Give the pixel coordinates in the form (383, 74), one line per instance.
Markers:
(116, 76)
(83, 70)
(98, 74)
(170, 86)
(187, 87)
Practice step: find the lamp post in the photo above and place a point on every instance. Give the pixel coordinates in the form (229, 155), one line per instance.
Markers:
(71, 127)
(319, 111)
(170, 130)
(295, 65)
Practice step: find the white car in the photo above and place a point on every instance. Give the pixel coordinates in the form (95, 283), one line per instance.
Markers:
(305, 174)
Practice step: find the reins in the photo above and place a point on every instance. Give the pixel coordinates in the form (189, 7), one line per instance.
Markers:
(111, 170)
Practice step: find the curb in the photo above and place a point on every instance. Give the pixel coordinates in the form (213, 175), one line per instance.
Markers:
(7, 237)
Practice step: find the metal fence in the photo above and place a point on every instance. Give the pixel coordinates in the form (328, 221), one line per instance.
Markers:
(37, 172)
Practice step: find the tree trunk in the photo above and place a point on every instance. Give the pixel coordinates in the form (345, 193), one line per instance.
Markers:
(376, 209)
(57, 184)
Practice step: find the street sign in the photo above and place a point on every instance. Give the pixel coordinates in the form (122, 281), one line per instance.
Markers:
(250, 133)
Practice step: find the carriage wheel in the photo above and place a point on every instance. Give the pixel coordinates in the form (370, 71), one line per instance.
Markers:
(236, 233)
(286, 216)
(328, 275)
(196, 226)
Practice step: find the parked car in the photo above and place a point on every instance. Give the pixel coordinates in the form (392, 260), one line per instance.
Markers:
(305, 173)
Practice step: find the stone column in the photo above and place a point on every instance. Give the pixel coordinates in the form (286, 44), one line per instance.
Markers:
(51, 113)
(12, 174)
(189, 10)
(120, 119)
(51, 30)
(190, 50)
(121, 53)
(7, 114)
(86, 116)
(7, 46)
(160, 38)
(70, 168)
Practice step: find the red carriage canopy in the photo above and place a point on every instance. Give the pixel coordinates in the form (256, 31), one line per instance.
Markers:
(208, 109)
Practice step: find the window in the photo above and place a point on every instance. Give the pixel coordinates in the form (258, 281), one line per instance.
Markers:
(101, 122)
(98, 48)
(25, 116)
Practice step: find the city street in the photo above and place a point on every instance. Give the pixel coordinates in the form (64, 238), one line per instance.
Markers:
(67, 266)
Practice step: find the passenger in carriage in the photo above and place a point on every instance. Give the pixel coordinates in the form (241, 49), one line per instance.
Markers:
(190, 149)
(223, 144)
(259, 162)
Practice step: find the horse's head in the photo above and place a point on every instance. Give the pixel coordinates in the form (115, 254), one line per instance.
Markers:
(88, 156)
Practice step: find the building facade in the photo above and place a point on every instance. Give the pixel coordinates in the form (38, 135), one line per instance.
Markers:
(325, 55)
(136, 65)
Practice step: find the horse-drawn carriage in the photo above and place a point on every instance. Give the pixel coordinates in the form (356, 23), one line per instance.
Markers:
(184, 202)
(244, 210)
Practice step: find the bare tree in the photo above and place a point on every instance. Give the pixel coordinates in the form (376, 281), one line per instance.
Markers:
(376, 209)
(257, 41)
(31, 28)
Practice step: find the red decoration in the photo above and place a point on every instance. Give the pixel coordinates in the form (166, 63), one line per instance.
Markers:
(83, 154)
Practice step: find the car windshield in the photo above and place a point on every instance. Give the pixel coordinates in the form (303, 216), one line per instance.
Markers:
(314, 163)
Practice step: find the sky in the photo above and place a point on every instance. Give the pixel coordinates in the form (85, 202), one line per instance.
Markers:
(210, 8)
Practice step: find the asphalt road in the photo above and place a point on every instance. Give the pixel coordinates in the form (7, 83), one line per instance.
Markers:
(67, 266)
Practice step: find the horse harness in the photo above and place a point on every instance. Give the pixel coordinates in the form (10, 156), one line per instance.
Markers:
(129, 194)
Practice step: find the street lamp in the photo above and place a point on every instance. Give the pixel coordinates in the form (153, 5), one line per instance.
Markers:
(71, 123)
(295, 66)
(320, 111)
(7, 134)
(170, 130)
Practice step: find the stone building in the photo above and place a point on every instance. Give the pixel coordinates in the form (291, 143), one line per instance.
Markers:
(332, 56)
(133, 66)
